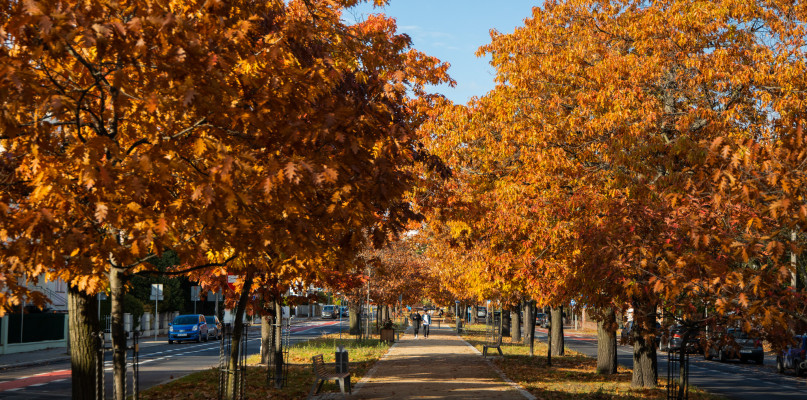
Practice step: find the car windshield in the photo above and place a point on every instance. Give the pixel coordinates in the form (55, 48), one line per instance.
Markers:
(738, 334)
(327, 308)
(539, 315)
(210, 320)
(186, 320)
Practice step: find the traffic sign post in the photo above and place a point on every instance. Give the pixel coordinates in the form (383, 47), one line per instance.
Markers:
(156, 294)
(195, 296)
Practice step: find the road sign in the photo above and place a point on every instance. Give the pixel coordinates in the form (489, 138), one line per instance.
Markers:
(102, 296)
(156, 291)
(215, 296)
(195, 293)
(231, 281)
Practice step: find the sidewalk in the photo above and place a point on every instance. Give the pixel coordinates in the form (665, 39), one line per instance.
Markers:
(441, 367)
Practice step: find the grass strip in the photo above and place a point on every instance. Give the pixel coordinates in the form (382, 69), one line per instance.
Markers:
(203, 385)
(572, 376)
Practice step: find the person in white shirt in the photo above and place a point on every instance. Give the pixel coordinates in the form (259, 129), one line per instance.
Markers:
(427, 320)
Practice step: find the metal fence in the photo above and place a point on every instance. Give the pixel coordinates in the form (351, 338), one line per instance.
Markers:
(678, 373)
(278, 373)
(239, 371)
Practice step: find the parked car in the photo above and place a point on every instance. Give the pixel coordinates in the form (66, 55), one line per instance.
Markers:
(188, 327)
(672, 339)
(481, 312)
(794, 356)
(541, 320)
(330, 312)
(626, 336)
(735, 344)
(213, 326)
(345, 311)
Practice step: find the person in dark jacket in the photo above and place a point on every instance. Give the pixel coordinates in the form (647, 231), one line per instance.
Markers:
(415, 322)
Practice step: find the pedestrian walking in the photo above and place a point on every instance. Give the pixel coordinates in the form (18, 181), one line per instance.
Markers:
(427, 320)
(415, 317)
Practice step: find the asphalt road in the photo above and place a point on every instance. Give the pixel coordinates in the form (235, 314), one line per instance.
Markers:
(733, 379)
(159, 363)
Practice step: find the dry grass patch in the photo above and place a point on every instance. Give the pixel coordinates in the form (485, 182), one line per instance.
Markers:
(204, 385)
(571, 376)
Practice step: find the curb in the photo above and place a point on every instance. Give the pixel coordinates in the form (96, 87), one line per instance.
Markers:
(26, 364)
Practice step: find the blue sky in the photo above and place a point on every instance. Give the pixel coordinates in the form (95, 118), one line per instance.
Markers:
(452, 30)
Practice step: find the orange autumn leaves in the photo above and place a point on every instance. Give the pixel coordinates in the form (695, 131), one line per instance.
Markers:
(634, 152)
(266, 134)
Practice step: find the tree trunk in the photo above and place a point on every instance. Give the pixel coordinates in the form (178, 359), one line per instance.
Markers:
(558, 348)
(645, 363)
(515, 326)
(116, 282)
(531, 324)
(549, 341)
(83, 329)
(528, 316)
(266, 338)
(233, 379)
(353, 318)
(606, 343)
(278, 344)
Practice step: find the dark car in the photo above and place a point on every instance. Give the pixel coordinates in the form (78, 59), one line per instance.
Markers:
(672, 340)
(541, 320)
(213, 326)
(735, 344)
(345, 311)
(188, 327)
(626, 336)
(794, 356)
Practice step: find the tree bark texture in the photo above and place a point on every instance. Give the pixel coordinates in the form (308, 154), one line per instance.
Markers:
(353, 318)
(515, 326)
(266, 338)
(528, 316)
(531, 324)
(116, 282)
(645, 362)
(606, 343)
(83, 329)
(233, 379)
(558, 346)
(277, 335)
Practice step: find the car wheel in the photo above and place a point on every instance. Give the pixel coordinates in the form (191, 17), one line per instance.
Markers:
(199, 338)
(722, 356)
(780, 365)
(170, 341)
(760, 360)
(799, 371)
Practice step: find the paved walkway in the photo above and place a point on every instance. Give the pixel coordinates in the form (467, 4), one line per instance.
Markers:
(441, 367)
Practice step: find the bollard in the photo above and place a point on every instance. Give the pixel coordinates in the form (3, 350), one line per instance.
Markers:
(342, 364)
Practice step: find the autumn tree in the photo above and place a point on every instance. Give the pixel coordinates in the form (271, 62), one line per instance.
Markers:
(121, 148)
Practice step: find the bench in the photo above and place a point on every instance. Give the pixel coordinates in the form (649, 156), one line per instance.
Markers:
(497, 346)
(323, 375)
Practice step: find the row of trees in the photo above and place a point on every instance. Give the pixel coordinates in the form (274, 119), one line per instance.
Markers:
(265, 139)
(633, 154)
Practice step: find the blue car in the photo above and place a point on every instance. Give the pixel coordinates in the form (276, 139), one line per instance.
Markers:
(188, 327)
